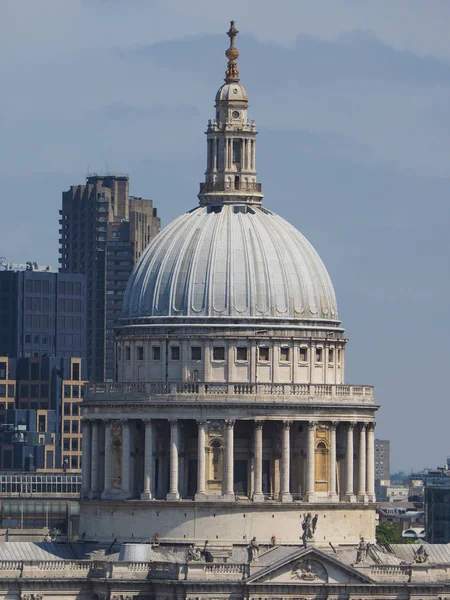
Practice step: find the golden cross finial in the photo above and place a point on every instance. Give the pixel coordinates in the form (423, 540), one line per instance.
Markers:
(232, 73)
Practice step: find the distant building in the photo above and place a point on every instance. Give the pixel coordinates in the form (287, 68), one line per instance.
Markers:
(103, 233)
(382, 462)
(437, 506)
(42, 314)
(40, 414)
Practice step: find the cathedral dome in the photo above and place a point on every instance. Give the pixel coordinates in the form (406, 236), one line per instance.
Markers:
(232, 261)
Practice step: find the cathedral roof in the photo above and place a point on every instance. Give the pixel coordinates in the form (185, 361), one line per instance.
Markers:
(241, 262)
(231, 258)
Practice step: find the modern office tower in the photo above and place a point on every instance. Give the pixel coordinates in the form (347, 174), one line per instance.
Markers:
(42, 313)
(40, 413)
(382, 462)
(103, 233)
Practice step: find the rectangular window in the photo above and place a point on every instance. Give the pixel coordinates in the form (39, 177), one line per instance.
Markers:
(119, 353)
(303, 354)
(75, 428)
(44, 390)
(75, 409)
(3, 370)
(196, 353)
(175, 352)
(34, 390)
(237, 146)
(74, 462)
(67, 391)
(66, 444)
(11, 391)
(284, 354)
(330, 355)
(319, 354)
(218, 353)
(264, 353)
(66, 409)
(34, 371)
(76, 371)
(66, 426)
(127, 353)
(75, 391)
(242, 353)
(24, 390)
(75, 444)
(156, 351)
(2, 390)
(140, 352)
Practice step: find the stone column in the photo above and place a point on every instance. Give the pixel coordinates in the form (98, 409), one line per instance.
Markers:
(362, 463)
(370, 462)
(228, 492)
(95, 456)
(108, 452)
(201, 462)
(148, 460)
(285, 494)
(332, 487)
(258, 495)
(174, 441)
(310, 462)
(126, 449)
(349, 464)
(87, 457)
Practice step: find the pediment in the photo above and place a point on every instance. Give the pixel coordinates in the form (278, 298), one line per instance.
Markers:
(305, 566)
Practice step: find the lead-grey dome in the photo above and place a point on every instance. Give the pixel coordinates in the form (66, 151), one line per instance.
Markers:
(241, 262)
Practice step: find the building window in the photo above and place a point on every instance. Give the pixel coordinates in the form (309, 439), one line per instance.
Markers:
(196, 353)
(75, 444)
(76, 371)
(2, 370)
(237, 146)
(319, 355)
(2, 390)
(34, 390)
(140, 352)
(67, 391)
(284, 354)
(11, 391)
(127, 353)
(242, 353)
(264, 353)
(156, 350)
(75, 427)
(66, 426)
(119, 353)
(175, 352)
(66, 409)
(24, 390)
(330, 355)
(218, 353)
(303, 354)
(34, 371)
(66, 444)
(75, 391)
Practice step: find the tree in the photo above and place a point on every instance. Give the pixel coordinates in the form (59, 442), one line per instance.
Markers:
(387, 533)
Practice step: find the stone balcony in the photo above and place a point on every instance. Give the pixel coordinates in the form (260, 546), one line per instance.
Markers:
(143, 391)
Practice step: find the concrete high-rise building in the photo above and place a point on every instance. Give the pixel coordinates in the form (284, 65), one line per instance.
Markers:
(382, 462)
(42, 313)
(103, 233)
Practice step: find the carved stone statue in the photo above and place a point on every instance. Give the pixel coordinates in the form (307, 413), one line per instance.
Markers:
(308, 528)
(420, 555)
(253, 550)
(194, 554)
(361, 551)
(309, 570)
(314, 523)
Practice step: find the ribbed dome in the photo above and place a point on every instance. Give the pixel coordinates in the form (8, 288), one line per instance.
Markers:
(242, 262)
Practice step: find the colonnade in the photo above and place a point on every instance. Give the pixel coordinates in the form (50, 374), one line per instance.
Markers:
(357, 484)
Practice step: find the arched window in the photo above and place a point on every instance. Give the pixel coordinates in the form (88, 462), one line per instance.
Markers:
(321, 467)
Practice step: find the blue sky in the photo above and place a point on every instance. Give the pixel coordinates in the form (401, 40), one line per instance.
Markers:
(351, 99)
